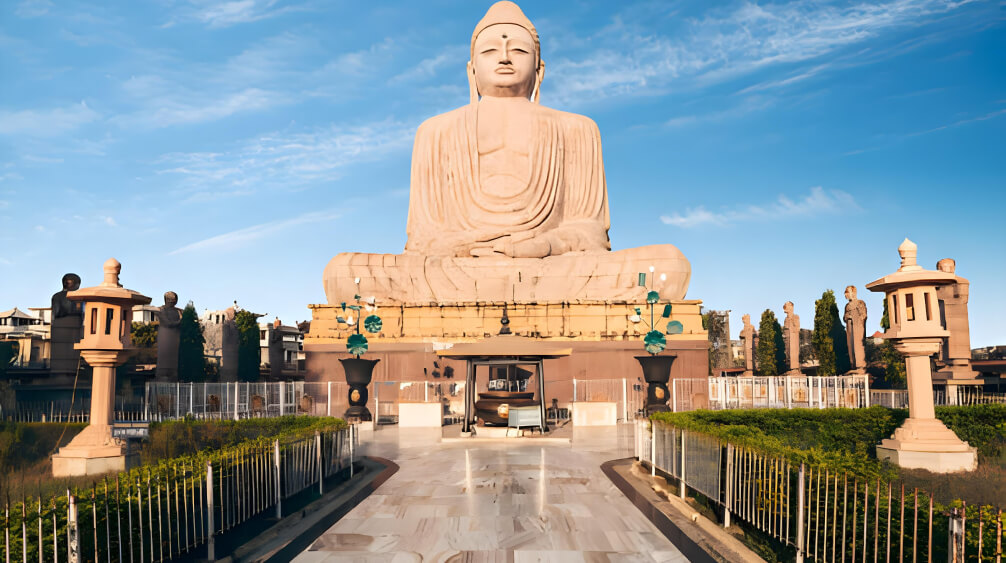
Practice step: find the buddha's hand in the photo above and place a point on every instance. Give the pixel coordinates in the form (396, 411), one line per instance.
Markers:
(521, 245)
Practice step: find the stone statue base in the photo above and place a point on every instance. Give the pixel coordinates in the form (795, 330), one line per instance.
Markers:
(928, 444)
(958, 372)
(93, 452)
(63, 357)
(443, 280)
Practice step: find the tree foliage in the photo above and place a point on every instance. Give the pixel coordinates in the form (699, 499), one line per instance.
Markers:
(191, 361)
(891, 360)
(828, 338)
(719, 341)
(145, 335)
(249, 345)
(771, 352)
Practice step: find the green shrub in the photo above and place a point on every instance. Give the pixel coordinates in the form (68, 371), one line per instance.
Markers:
(184, 437)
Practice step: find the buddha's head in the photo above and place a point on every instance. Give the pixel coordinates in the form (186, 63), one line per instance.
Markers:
(505, 55)
(850, 292)
(947, 265)
(71, 282)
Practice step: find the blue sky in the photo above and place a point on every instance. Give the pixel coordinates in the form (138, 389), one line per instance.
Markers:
(227, 150)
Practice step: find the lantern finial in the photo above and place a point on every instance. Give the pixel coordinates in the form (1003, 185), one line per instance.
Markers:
(112, 269)
(909, 251)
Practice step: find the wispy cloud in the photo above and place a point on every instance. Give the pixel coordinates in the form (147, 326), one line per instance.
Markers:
(894, 139)
(32, 8)
(725, 45)
(750, 104)
(428, 68)
(214, 13)
(47, 122)
(283, 159)
(817, 202)
(244, 236)
(172, 110)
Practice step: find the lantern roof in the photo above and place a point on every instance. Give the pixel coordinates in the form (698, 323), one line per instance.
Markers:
(910, 274)
(110, 290)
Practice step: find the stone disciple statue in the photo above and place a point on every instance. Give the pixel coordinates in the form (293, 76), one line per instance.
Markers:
(508, 199)
(953, 300)
(229, 342)
(169, 322)
(791, 330)
(276, 351)
(855, 329)
(67, 328)
(748, 336)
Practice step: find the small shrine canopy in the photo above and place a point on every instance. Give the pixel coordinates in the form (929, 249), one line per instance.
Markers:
(506, 346)
(503, 350)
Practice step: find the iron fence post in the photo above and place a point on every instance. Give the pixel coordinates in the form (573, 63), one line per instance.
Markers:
(276, 477)
(800, 500)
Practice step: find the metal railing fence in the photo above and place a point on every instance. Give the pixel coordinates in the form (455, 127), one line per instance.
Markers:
(948, 396)
(822, 514)
(177, 508)
(717, 393)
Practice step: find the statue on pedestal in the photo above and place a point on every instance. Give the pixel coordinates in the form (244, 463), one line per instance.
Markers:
(791, 331)
(67, 328)
(229, 343)
(855, 330)
(508, 200)
(169, 322)
(953, 301)
(276, 351)
(748, 336)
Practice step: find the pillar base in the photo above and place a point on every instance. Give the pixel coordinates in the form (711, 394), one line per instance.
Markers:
(66, 464)
(937, 462)
(93, 452)
(928, 444)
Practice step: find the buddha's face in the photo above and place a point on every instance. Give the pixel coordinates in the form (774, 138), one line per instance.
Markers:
(504, 61)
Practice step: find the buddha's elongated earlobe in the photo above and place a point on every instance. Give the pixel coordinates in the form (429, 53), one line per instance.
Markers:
(473, 88)
(539, 76)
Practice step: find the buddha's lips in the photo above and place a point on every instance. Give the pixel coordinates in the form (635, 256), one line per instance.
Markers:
(505, 70)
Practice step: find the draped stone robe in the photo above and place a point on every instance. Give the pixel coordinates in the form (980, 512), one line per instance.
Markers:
(565, 199)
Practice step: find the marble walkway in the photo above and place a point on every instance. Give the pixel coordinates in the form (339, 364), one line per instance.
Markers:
(494, 502)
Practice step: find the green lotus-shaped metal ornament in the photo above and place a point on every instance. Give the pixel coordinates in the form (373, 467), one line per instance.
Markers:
(372, 323)
(675, 327)
(357, 344)
(655, 342)
(652, 297)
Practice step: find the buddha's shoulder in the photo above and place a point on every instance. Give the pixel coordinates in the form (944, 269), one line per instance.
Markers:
(570, 121)
(448, 120)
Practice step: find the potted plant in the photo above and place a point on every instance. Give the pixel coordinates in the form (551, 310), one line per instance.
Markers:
(359, 371)
(656, 368)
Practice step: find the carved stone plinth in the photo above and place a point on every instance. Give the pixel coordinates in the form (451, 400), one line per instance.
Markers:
(928, 444)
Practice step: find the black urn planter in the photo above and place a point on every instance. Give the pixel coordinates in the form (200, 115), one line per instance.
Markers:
(358, 375)
(656, 373)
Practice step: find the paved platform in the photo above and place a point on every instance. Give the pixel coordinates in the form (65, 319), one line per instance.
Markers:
(506, 501)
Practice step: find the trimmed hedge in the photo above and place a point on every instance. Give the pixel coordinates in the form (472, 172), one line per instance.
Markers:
(188, 436)
(839, 439)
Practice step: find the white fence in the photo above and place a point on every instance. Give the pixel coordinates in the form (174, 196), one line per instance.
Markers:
(717, 393)
(951, 395)
(256, 400)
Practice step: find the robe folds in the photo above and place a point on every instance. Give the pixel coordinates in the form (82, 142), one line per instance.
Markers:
(564, 201)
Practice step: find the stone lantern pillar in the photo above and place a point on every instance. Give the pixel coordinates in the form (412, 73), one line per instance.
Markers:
(922, 442)
(107, 343)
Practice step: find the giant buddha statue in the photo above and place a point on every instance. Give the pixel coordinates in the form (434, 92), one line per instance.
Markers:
(508, 200)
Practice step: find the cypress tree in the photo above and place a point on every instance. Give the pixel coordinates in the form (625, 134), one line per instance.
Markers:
(770, 345)
(822, 339)
(249, 346)
(191, 361)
